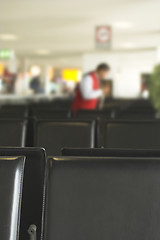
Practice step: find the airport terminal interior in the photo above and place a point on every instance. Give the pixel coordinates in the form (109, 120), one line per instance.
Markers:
(80, 120)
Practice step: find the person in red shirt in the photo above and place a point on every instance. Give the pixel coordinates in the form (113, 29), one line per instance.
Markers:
(88, 91)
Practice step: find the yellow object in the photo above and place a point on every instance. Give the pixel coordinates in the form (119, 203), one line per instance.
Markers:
(50, 73)
(1, 68)
(73, 75)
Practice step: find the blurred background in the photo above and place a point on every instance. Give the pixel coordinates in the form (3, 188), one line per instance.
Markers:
(46, 46)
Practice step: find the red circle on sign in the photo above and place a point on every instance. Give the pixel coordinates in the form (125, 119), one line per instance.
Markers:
(103, 34)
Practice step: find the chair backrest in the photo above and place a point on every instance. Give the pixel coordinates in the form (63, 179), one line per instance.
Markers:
(12, 132)
(54, 135)
(103, 198)
(130, 134)
(62, 103)
(51, 114)
(33, 188)
(94, 114)
(55, 104)
(13, 112)
(11, 183)
(104, 152)
(136, 114)
(140, 104)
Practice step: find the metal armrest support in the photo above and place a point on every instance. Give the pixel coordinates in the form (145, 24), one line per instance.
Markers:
(32, 231)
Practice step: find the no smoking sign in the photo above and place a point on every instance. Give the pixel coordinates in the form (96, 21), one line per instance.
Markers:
(103, 36)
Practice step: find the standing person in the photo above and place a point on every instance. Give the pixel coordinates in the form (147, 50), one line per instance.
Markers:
(35, 84)
(88, 92)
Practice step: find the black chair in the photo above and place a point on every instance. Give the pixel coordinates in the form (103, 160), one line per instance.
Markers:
(55, 104)
(14, 112)
(13, 132)
(51, 114)
(33, 189)
(130, 134)
(54, 135)
(103, 198)
(135, 114)
(11, 183)
(142, 104)
(104, 152)
(95, 114)
(62, 103)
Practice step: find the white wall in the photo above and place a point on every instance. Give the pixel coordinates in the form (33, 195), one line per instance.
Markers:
(126, 69)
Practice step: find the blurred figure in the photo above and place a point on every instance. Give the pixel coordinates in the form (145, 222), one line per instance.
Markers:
(53, 86)
(20, 86)
(144, 88)
(9, 80)
(1, 84)
(88, 92)
(35, 84)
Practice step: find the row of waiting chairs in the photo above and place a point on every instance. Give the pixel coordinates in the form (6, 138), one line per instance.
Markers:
(56, 134)
(128, 114)
(113, 110)
(84, 194)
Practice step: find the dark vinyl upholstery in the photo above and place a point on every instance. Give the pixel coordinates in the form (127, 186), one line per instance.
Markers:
(13, 112)
(51, 114)
(55, 104)
(94, 114)
(54, 135)
(104, 152)
(12, 132)
(103, 198)
(33, 187)
(137, 114)
(130, 134)
(11, 183)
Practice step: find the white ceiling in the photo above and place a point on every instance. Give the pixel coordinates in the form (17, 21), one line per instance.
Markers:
(66, 27)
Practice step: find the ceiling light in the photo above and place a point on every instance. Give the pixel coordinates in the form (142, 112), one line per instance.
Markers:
(8, 37)
(123, 25)
(43, 52)
(35, 70)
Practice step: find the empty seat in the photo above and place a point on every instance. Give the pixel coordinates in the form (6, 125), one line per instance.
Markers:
(56, 104)
(54, 135)
(137, 114)
(103, 198)
(51, 114)
(11, 183)
(130, 134)
(62, 103)
(33, 188)
(141, 104)
(13, 112)
(94, 114)
(12, 132)
(104, 152)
